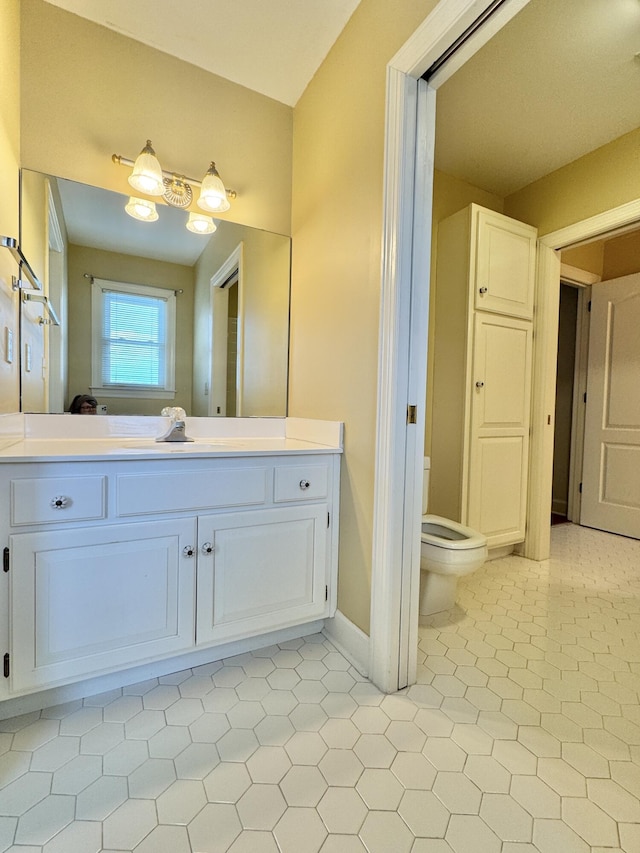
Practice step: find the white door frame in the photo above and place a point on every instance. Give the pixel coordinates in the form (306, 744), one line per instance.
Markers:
(409, 130)
(219, 313)
(537, 544)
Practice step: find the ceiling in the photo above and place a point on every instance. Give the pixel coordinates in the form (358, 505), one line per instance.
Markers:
(561, 79)
(271, 46)
(96, 217)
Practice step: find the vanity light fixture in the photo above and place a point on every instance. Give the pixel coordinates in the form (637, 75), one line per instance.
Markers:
(150, 178)
(146, 176)
(201, 224)
(142, 209)
(213, 196)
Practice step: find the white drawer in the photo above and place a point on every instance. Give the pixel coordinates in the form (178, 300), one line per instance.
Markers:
(49, 500)
(138, 494)
(301, 483)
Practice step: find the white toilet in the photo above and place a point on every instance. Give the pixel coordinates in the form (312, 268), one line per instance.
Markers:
(447, 551)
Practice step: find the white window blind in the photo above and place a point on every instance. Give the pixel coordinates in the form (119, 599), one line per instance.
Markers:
(134, 335)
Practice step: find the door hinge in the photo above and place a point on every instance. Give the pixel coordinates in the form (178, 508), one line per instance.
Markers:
(7, 665)
(589, 306)
(328, 519)
(412, 414)
(580, 488)
(5, 560)
(326, 593)
(584, 398)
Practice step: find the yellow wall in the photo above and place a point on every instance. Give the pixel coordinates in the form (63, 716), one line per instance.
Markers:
(338, 136)
(126, 268)
(265, 322)
(88, 92)
(599, 181)
(9, 163)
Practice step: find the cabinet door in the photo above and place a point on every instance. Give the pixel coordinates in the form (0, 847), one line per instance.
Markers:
(499, 435)
(505, 264)
(91, 600)
(260, 570)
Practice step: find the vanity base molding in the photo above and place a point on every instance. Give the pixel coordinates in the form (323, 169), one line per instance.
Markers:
(123, 678)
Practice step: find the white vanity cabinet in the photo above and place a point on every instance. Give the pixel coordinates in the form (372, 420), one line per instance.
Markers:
(115, 564)
(482, 372)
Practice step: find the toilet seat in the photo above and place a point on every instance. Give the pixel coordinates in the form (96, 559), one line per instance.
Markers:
(449, 535)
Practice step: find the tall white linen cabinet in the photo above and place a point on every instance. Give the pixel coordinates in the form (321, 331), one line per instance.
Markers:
(485, 277)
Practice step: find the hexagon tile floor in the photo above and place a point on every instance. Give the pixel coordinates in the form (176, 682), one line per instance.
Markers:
(522, 735)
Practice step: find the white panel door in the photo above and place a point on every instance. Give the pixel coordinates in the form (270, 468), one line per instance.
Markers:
(611, 466)
(94, 599)
(261, 570)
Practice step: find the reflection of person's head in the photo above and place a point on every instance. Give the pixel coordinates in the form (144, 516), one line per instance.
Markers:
(83, 404)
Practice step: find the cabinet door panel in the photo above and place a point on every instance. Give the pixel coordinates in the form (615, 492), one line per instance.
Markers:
(497, 492)
(502, 371)
(267, 569)
(90, 600)
(499, 435)
(505, 271)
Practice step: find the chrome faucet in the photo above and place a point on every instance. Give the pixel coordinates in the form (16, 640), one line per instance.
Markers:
(177, 427)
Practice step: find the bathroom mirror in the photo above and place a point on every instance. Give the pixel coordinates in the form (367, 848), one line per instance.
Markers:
(231, 303)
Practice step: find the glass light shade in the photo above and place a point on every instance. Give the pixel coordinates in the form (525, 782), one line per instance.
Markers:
(147, 173)
(213, 196)
(142, 209)
(201, 224)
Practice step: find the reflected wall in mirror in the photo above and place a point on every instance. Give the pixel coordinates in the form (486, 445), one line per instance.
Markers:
(231, 306)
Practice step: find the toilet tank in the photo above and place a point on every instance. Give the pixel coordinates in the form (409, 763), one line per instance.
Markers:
(425, 484)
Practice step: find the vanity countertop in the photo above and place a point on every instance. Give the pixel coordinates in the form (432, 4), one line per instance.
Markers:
(51, 438)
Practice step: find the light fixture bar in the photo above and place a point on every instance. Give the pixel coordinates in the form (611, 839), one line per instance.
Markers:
(125, 161)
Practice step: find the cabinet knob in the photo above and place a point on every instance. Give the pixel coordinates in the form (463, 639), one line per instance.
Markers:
(207, 548)
(59, 502)
(483, 289)
(188, 551)
(304, 485)
(479, 384)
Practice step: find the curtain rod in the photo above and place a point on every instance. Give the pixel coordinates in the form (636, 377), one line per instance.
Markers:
(92, 278)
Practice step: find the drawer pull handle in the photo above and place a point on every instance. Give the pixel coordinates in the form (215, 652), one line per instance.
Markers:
(479, 384)
(188, 551)
(60, 502)
(483, 289)
(304, 485)
(207, 548)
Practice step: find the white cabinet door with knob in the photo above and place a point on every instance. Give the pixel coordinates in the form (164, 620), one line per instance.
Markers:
(261, 570)
(91, 599)
(499, 434)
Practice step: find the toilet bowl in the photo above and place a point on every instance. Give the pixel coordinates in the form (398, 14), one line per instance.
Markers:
(448, 550)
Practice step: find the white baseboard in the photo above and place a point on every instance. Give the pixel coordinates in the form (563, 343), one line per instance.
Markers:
(349, 640)
(559, 506)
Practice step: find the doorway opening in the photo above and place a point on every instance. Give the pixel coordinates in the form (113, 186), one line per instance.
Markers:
(590, 269)
(408, 186)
